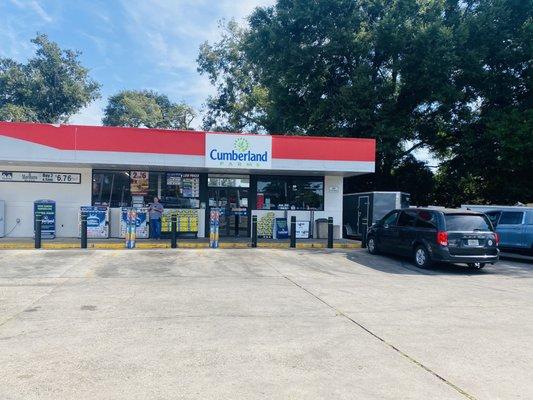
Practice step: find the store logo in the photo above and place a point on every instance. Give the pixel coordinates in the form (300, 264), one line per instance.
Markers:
(241, 144)
(237, 151)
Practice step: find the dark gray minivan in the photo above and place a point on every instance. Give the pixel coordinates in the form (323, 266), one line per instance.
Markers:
(436, 235)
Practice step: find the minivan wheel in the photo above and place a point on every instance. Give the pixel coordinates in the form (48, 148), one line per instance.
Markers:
(371, 245)
(477, 265)
(421, 257)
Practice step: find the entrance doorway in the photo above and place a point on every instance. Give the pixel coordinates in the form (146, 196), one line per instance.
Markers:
(229, 193)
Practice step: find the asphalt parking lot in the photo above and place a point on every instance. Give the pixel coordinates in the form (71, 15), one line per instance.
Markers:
(260, 324)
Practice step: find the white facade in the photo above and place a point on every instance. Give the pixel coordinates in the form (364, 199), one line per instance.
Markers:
(43, 150)
(19, 198)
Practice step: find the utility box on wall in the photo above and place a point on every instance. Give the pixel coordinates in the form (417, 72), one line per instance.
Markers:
(361, 210)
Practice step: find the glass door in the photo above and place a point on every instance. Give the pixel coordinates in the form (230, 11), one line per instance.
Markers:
(229, 193)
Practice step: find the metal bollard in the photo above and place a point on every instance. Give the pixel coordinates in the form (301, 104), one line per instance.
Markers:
(174, 229)
(293, 231)
(83, 228)
(237, 220)
(330, 232)
(38, 226)
(363, 238)
(254, 231)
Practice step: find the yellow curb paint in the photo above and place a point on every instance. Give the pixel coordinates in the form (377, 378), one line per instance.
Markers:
(183, 245)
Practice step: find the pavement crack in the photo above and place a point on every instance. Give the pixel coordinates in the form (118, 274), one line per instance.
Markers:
(384, 341)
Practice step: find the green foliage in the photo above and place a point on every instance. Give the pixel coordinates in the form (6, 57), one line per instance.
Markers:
(449, 75)
(147, 109)
(50, 87)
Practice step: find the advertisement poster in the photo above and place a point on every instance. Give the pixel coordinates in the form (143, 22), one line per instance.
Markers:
(131, 227)
(188, 184)
(187, 220)
(282, 229)
(46, 209)
(173, 179)
(139, 183)
(141, 225)
(40, 177)
(302, 229)
(265, 226)
(97, 221)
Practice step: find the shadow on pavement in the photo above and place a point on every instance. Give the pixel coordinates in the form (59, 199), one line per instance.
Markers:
(393, 264)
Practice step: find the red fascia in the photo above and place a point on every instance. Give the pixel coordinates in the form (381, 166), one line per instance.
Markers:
(160, 141)
(323, 148)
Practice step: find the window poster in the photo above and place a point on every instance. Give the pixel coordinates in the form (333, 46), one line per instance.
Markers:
(189, 184)
(139, 183)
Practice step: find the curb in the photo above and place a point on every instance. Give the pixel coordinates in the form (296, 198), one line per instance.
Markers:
(184, 245)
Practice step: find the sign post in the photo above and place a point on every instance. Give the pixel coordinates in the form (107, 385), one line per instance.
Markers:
(214, 223)
(131, 228)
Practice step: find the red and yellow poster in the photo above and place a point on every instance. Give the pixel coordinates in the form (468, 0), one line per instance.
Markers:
(139, 183)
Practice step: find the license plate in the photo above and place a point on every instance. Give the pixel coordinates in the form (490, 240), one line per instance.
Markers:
(472, 242)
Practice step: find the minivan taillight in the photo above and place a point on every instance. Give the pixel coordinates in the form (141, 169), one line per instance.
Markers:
(442, 238)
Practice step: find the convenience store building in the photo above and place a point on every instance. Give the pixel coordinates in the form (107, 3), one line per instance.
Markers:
(191, 172)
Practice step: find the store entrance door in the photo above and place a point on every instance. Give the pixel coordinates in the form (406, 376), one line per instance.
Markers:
(229, 193)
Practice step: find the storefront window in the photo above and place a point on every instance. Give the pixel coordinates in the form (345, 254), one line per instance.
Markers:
(226, 180)
(290, 193)
(179, 190)
(273, 193)
(138, 188)
(111, 188)
(307, 193)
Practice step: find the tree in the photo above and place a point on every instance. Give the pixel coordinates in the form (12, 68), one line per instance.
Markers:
(453, 76)
(489, 156)
(148, 109)
(50, 87)
(364, 68)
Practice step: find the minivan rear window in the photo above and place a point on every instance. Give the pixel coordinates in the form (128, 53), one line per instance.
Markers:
(466, 222)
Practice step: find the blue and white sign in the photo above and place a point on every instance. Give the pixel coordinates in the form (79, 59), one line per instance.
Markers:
(141, 225)
(46, 210)
(238, 151)
(97, 221)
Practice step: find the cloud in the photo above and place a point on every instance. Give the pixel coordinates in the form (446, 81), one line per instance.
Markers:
(168, 34)
(173, 30)
(35, 7)
(90, 115)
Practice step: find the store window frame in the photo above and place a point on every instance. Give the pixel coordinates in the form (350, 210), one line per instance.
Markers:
(290, 181)
(126, 200)
(161, 180)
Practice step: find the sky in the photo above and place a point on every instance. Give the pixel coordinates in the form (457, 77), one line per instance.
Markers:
(129, 44)
(126, 44)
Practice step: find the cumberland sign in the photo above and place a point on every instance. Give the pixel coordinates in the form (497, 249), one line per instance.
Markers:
(238, 151)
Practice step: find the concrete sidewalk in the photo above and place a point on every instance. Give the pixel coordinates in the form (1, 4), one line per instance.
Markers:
(260, 324)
